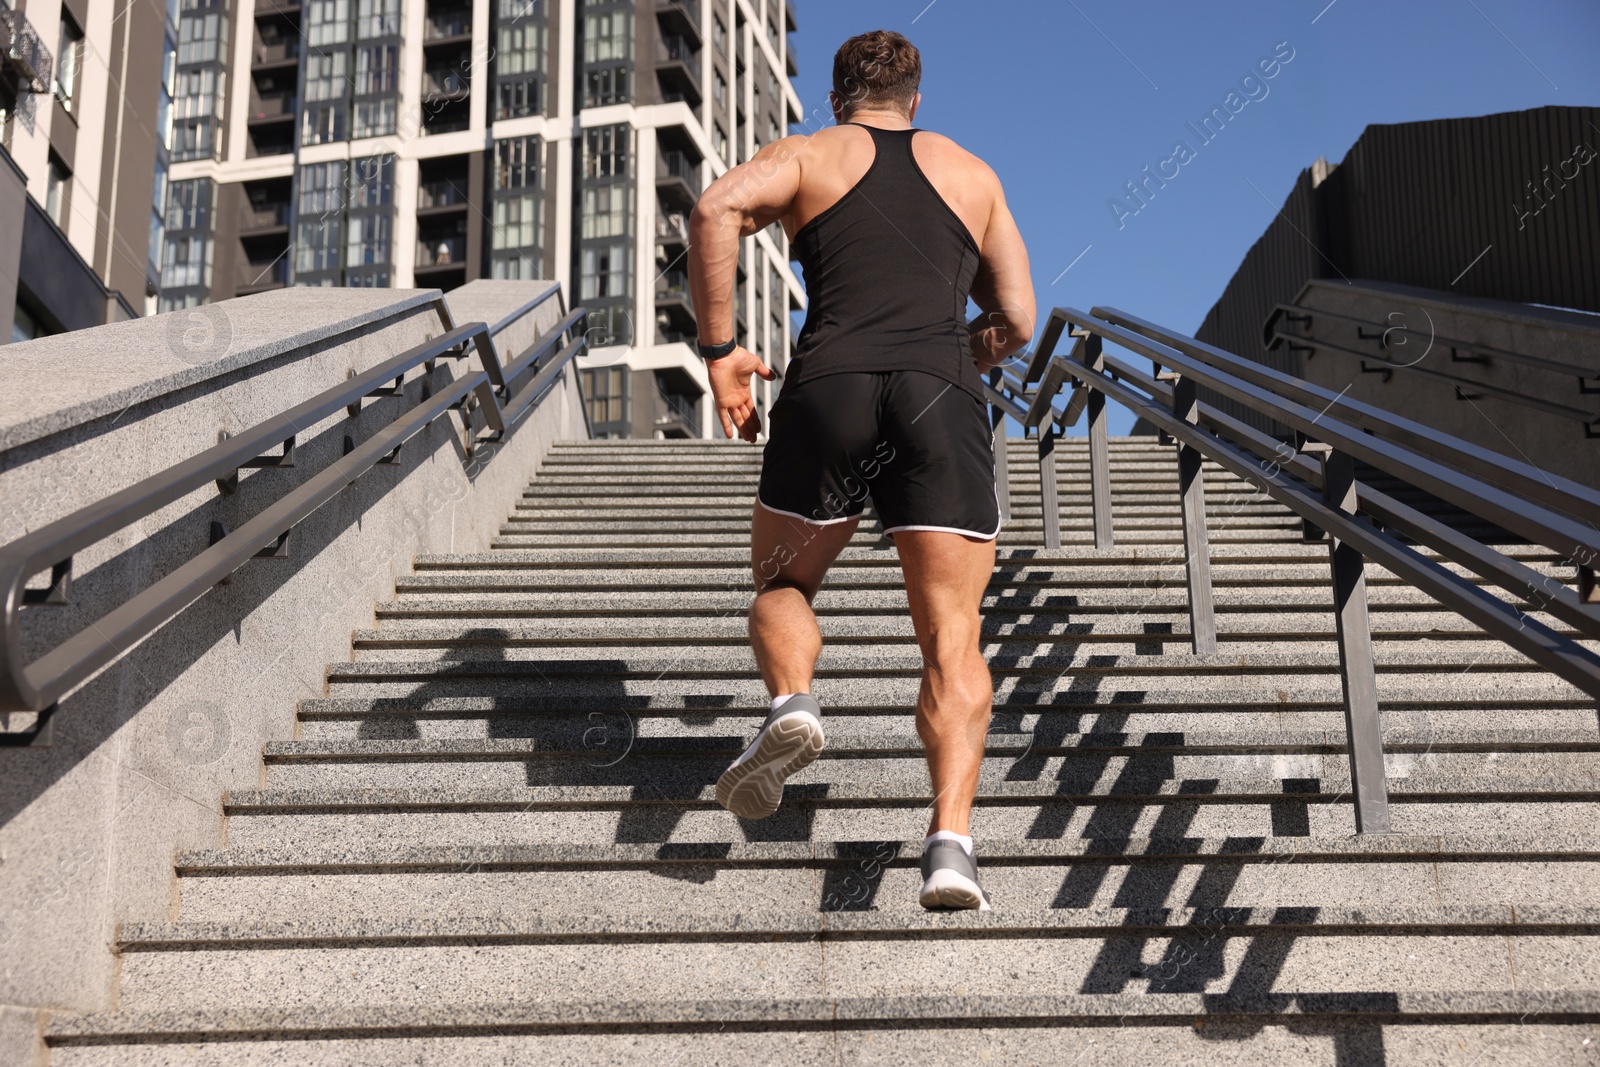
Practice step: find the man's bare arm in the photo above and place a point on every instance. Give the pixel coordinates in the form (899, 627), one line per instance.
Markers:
(745, 200)
(1002, 289)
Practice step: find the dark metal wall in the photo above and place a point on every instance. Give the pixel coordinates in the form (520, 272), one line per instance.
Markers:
(1501, 206)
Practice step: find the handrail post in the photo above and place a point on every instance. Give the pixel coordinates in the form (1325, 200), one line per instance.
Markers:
(1049, 501)
(1002, 475)
(1196, 541)
(1099, 446)
(1357, 671)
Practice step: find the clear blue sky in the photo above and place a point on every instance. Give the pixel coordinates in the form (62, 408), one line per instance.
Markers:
(1069, 99)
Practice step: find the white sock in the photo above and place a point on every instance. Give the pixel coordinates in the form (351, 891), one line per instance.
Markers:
(780, 699)
(964, 840)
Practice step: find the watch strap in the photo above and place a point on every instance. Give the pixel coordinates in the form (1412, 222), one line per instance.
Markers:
(710, 352)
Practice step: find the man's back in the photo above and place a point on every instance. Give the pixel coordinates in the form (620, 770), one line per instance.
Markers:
(888, 265)
(834, 159)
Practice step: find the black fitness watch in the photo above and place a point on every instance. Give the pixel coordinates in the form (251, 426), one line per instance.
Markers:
(711, 352)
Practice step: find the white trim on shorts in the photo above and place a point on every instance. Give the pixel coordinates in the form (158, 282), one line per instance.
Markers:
(802, 518)
(947, 529)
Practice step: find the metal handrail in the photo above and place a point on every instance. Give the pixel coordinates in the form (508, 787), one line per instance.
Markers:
(1315, 478)
(1525, 479)
(37, 686)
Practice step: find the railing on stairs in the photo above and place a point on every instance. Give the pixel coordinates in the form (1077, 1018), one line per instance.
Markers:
(36, 686)
(1314, 476)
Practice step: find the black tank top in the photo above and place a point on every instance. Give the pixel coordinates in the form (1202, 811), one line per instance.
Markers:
(887, 272)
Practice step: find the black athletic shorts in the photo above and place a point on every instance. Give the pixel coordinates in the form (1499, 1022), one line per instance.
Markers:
(920, 446)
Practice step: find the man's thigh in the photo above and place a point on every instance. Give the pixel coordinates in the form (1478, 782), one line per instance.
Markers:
(946, 575)
(786, 551)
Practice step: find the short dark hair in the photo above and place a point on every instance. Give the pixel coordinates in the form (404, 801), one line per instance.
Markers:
(877, 69)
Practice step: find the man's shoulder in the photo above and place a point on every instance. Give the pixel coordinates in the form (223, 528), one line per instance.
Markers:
(953, 155)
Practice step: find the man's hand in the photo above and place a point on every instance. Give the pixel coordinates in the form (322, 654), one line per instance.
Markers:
(730, 385)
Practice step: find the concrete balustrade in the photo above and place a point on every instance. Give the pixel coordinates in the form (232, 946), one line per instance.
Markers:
(143, 752)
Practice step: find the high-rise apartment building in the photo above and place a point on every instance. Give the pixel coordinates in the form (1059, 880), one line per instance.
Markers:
(80, 182)
(431, 142)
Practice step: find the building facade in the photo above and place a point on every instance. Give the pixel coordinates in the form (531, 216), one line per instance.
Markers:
(430, 142)
(79, 181)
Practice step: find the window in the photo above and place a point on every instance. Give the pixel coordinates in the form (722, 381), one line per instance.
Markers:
(200, 37)
(606, 389)
(516, 163)
(368, 240)
(377, 18)
(319, 220)
(719, 88)
(56, 187)
(186, 247)
(323, 116)
(516, 238)
(24, 327)
(606, 86)
(519, 62)
(376, 104)
(605, 270)
(605, 210)
(605, 152)
(719, 141)
(169, 81)
(67, 59)
(607, 37)
(607, 55)
(375, 68)
(719, 34)
(372, 182)
(158, 210)
(328, 22)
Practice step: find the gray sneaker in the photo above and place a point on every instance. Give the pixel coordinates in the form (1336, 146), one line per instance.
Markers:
(950, 878)
(752, 788)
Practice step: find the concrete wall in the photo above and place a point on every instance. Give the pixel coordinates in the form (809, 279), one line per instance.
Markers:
(143, 751)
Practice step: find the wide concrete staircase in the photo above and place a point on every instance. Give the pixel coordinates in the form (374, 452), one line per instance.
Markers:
(495, 839)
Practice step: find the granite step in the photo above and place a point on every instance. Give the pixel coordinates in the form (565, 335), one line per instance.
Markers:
(605, 727)
(676, 767)
(565, 878)
(684, 687)
(1436, 1027)
(1149, 630)
(378, 961)
(1123, 805)
(1158, 608)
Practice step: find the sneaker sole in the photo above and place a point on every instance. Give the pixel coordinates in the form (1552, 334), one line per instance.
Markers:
(950, 889)
(753, 787)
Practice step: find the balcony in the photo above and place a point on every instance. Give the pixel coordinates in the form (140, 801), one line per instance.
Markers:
(259, 277)
(273, 107)
(444, 193)
(259, 219)
(680, 17)
(442, 253)
(23, 57)
(672, 229)
(678, 70)
(675, 414)
(445, 83)
(674, 312)
(447, 26)
(275, 53)
(678, 177)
